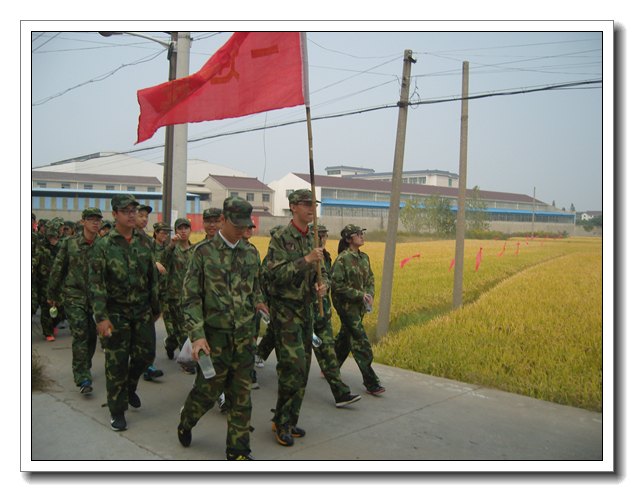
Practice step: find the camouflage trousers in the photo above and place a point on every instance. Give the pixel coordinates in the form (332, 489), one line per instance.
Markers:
(352, 338)
(48, 323)
(267, 344)
(84, 331)
(174, 324)
(293, 330)
(327, 358)
(232, 355)
(130, 350)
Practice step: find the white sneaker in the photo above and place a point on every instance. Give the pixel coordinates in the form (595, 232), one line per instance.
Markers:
(258, 361)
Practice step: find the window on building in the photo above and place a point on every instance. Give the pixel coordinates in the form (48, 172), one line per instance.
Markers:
(250, 197)
(59, 203)
(288, 192)
(36, 203)
(41, 184)
(110, 187)
(422, 180)
(65, 186)
(87, 187)
(331, 173)
(131, 188)
(413, 180)
(70, 203)
(450, 181)
(151, 188)
(234, 193)
(266, 197)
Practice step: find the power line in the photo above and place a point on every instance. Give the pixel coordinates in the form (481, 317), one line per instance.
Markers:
(49, 39)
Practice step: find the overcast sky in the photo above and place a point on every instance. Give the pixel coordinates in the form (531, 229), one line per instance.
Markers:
(550, 140)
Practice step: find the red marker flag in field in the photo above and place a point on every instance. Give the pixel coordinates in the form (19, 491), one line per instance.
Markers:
(544, 239)
(518, 249)
(503, 249)
(526, 239)
(452, 263)
(495, 239)
(253, 72)
(478, 259)
(407, 259)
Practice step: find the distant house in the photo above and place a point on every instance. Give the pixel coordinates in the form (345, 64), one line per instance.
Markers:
(423, 177)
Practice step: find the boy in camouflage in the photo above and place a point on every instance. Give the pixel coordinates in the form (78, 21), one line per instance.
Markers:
(352, 288)
(46, 252)
(292, 281)
(211, 221)
(325, 353)
(175, 258)
(161, 235)
(69, 282)
(221, 296)
(124, 297)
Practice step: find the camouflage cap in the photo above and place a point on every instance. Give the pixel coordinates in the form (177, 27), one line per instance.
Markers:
(211, 212)
(52, 228)
(144, 207)
(161, 226)
(182, 222)
(275, 229)
(237, 211)
(105, 223)
(87, 212)
(42, 222)
(121, 201)
(320, 227)
(69, 223)
(350, 230)
(301, 196)
(33, 216)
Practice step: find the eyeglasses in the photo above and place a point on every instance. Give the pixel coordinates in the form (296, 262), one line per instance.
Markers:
(93, 219)
(306, 204)
(127, 211)
(323, 236)
(212, 221)
(360, 234)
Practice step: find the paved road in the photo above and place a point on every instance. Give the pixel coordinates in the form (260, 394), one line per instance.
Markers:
(419, 417)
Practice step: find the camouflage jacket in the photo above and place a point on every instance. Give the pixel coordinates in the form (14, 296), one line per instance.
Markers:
(326, 304)
(123, 277)
(289, 278)
(68, 282)
(221, 289)
(175, 261)
(352, 278)
(158, 255)
(46, 254)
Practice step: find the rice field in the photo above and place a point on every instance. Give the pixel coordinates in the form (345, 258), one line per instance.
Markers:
(530, 323)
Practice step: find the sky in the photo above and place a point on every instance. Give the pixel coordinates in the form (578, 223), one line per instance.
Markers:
(83, 100)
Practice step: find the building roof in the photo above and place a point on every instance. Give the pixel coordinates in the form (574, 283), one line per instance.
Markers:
(424, 171)
(93, 178)
(350, 168)
(410, 188)
(240, 183)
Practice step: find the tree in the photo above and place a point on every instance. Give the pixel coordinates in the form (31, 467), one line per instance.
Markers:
(477, 214)
(572, 207)
(554, 203)
(412, 216)
(437, 214)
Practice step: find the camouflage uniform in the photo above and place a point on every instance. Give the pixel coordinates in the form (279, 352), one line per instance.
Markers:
(69, 282)
(124, 290)
(163, 279)
(352, 277)
(292, 295)
(34, 263)
(175, 262)
(220, 295)
(46, 253)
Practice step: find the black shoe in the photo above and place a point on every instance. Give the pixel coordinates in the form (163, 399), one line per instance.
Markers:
(344, 400)
(184, 436)
(375, 390)
(170, 352)
(151, 374)
(295, 431)
(134, 400)
(85, 388)
(239, 457)
(283, 434)
(117, 422)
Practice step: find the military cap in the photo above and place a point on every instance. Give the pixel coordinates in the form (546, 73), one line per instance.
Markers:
(41, 222)
(350, 230)
(301, 196)
(121, 201)
(161, 226)
(69, 223)
(275, 229)
(144, 207)
(87, 212)
(105, 223)
(211, 212)
(238, 211)
(58, 220)
(52, 228)
(320, 227)
(181, 222)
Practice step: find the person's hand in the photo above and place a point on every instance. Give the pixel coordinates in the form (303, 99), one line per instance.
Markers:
(52, 303)
(161, 268)
(321, 289)
(197, 346)
(368, 299)
(316, 254)
(104, 328)
(262, 306)
(173, 240)
(156, 317)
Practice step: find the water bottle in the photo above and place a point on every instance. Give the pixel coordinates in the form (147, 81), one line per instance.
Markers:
(265, 317)
(368, 306)
(316, 341)
(53, 312)
(204, 361)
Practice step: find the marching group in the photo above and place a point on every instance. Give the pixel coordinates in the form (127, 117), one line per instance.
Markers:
(112, 282)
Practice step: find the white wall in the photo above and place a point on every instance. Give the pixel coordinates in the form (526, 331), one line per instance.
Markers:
(290, 182)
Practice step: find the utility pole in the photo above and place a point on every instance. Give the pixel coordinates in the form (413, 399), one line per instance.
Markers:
(533, 223)
(168, 159)
(179, 170)
(462, 191)
(383, 322)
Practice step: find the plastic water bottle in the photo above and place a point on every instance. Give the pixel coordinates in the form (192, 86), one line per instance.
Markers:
(265, 317)
(204, 361)
(368, 306)
(316, 341)
(53, 312)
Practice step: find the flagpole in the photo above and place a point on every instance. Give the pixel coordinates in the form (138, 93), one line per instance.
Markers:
(302, 38)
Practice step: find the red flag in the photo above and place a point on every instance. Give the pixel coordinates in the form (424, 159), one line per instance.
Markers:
(526, 239)
(544, 239)
(452, 263)
(560, 236)
(495, 239)
(407, 259)
(518, 249)
(253, 72)
(503, 249)
(478, 259)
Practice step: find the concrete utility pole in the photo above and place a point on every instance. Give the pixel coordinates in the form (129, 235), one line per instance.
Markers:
(168, 159)
(533, 222)
(383, 322)
(179, 171)
(462, 191)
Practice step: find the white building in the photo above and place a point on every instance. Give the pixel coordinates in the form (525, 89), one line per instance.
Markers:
(424, 177)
